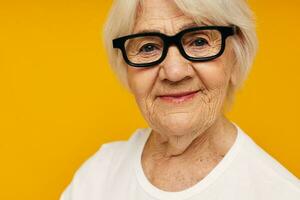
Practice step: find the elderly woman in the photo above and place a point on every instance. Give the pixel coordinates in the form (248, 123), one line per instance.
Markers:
(183, 61)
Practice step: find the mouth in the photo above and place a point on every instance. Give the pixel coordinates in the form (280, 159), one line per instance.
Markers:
(178, 97)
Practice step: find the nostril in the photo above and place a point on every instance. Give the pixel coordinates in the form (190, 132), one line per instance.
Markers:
(175, 82)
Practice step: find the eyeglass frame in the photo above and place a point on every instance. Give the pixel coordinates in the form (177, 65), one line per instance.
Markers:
(225, 31)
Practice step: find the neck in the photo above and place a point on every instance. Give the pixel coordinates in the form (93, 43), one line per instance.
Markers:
(218, 138)
(174, 168)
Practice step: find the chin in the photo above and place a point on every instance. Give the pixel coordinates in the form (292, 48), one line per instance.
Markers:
(179, 125)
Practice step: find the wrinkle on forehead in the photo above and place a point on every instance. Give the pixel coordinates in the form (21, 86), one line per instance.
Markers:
(164, 26)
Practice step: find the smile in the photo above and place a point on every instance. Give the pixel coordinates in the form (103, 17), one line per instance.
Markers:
(179, 97)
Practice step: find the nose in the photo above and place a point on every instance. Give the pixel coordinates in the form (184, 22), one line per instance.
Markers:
(175, 67)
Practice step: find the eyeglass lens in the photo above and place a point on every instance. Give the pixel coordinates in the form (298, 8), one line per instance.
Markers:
(202, 43)
(145, 49)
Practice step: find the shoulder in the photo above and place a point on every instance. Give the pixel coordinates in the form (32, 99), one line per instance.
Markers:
(93, 174)
(266, 170)
(100, 160)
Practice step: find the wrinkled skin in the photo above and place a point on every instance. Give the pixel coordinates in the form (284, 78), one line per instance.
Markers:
(188, 130)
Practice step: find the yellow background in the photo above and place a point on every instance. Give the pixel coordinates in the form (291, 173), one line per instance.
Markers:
(60, 101)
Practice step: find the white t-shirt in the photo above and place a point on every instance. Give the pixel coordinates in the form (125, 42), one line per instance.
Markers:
(245, 173)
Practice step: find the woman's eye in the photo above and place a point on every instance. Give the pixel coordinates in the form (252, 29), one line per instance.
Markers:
(148, 48)
(200, 42)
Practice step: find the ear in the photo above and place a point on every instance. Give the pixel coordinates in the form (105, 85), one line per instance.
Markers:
(234, 74)
(127, 82)
(127, 87)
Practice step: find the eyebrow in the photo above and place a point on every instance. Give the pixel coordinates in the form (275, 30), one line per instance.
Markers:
(186, 26)
(190, 25)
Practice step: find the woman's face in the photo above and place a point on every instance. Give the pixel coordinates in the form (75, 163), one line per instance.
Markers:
(177, 116)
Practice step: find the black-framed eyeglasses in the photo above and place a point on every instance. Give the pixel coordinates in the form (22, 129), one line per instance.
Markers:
(203, 43)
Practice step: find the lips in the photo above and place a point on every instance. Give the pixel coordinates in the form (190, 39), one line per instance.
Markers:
(181, 94)
(178, 97)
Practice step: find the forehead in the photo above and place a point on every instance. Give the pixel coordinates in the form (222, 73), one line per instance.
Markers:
(159, 9)
(160, 15)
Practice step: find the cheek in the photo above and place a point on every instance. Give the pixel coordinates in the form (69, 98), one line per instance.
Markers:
(141, 81)
(214, 74)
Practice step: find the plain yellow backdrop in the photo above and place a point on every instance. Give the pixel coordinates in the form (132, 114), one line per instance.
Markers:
(60, 101)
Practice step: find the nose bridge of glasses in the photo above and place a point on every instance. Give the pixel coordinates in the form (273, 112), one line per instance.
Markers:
(172, 41)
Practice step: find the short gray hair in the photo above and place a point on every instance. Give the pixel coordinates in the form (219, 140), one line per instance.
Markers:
(122, 17)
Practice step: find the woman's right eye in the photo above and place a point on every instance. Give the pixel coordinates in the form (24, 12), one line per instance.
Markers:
(147, 48)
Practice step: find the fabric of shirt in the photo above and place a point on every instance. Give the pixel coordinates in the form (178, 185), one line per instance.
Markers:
(246, 172)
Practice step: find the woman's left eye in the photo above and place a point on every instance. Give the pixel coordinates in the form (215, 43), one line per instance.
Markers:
(200, 42)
